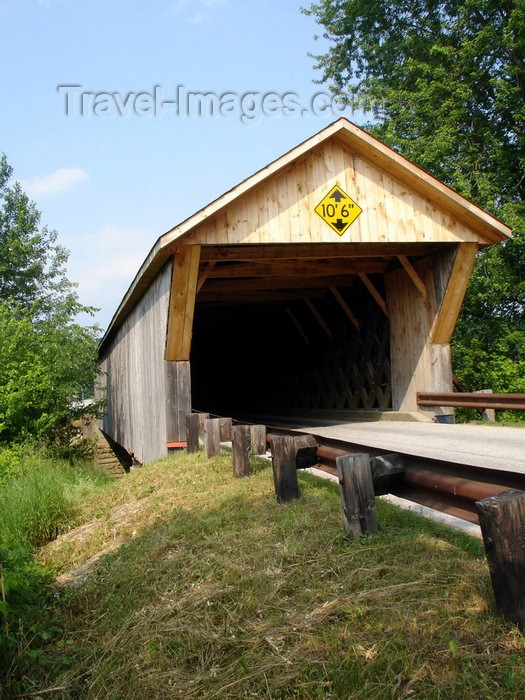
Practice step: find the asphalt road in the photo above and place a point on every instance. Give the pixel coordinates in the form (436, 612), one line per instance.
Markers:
(488, 446)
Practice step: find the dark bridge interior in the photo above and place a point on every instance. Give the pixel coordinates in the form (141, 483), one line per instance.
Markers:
(267, 346)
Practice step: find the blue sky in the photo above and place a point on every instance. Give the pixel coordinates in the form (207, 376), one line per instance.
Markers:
(113, 177)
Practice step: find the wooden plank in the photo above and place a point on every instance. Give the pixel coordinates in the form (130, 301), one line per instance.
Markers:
(416, 279)
(502, 519)
(357, 494)
(284, 469)
(182, 303)
(447, 317)
(178, 399)
(345, 307)
(309, 303)
(373, 291)
(241, 444)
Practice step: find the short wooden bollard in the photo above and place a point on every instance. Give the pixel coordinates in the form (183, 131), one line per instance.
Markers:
(212, 437)
(305, 448)
(203, 417)
(258, 438)
(502, 519)
(388, 471)
(241, 445)
(284, 469)
(192, 432)
(357, 494)
(225, 425)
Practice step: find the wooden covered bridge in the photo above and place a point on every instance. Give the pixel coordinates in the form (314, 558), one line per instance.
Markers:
(330, 279)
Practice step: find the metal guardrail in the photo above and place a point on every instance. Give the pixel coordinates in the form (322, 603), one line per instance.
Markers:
(499, 402)
(449, 487)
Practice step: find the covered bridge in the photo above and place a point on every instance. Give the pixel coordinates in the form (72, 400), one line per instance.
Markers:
(330, 279)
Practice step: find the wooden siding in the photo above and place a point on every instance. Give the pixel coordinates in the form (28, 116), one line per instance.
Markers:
(135, 380)
(281, 208)
(415, 361)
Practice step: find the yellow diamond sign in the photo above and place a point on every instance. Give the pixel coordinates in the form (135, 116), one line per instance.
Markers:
(338, 210)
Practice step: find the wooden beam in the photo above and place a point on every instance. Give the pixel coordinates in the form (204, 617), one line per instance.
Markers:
(205, 273)
(254, 296)
(240, 286)
(288, 268)
(416, 279)
(345, 307)
(318, 316)
(182, 302)
(373, 291)
(297, 325)
(447, 317)
(312, 251)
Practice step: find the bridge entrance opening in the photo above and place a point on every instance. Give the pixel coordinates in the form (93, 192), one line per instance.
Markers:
(280, 351)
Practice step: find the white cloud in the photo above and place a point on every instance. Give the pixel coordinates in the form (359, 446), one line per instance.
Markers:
(105, 266)
(62, 180)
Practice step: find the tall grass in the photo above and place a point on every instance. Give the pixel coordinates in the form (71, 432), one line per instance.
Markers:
(40, 500)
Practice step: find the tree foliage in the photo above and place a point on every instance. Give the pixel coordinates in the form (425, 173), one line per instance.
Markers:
(47, 358)
(446, 81)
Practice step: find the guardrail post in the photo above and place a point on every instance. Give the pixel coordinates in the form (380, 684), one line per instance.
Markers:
(212, 437)
(241, 445)
(192, 432)
(258, 438)
(284, 469)
(502, 519)
(225, 425)
(357, 494)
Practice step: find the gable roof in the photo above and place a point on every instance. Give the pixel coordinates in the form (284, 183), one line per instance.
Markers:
(485, 229)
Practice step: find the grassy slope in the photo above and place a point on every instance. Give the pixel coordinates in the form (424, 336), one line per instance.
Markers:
(220, 592)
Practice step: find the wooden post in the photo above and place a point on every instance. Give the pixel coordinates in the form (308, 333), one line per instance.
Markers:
(212, 437)
(502, 520)
(203, 417)
(387, 472)
(305, 449)
(357, 494)
(258, 438)
(241, 443)
(284, 469)
(225, 425)
(192, 432)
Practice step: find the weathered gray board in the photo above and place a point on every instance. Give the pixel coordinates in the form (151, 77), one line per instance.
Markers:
(136, 375)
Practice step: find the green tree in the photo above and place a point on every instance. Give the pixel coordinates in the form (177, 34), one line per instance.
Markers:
(32, 265)
(47, 358)
(446, 82)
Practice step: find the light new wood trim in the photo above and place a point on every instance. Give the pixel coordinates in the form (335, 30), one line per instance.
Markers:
(416, 279)
(447, 317)
(373, 291)
(182, 302)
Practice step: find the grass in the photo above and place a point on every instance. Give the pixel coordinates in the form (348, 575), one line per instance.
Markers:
(219, 592)
(41, 499)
